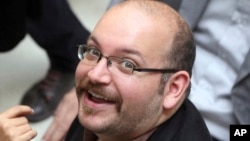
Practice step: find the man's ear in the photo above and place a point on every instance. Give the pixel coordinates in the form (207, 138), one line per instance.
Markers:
(175, 89)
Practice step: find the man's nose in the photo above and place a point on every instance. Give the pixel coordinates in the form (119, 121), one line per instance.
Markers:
(100, 73)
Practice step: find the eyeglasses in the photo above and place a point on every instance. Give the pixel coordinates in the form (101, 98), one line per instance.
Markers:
(91, 56)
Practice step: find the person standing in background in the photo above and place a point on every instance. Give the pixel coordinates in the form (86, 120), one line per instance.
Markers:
(221, 74)
(54, 27)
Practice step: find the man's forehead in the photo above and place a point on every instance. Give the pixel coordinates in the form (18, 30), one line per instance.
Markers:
(159, 13)
(152, 8)
(121, 24)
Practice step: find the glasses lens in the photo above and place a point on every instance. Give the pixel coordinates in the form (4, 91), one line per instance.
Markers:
(80, 52)
(89, 55)
(92, 54)
(122, 65)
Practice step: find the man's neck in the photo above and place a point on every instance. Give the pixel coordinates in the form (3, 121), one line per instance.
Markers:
(143, 137)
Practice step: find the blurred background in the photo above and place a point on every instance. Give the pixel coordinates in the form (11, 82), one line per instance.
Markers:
(27, 63)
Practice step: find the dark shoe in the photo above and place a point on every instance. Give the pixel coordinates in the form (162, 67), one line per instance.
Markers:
(45, 95)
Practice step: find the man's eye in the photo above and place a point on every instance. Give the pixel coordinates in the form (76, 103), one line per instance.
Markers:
(127, 64)
(94, 52)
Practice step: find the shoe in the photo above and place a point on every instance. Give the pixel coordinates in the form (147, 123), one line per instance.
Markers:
(45, 95)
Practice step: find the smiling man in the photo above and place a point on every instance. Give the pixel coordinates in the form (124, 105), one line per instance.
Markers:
(134, 78)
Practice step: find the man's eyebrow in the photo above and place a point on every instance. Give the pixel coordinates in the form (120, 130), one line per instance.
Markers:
(92, 38)
(120, 49)
(130, 51)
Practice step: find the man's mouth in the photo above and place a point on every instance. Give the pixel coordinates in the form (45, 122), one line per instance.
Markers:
(97, 98)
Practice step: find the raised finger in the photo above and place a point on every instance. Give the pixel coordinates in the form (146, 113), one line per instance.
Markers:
(17, 111)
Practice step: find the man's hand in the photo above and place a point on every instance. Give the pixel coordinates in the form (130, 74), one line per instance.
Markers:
(14, 126)
(63, 117)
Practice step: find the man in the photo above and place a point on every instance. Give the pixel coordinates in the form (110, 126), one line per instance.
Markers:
(221, 31)
(134, 77)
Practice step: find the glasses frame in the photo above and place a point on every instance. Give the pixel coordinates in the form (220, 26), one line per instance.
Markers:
(134, 69)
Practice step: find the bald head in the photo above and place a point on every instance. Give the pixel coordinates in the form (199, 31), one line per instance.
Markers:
(167, 28)
(156, 9)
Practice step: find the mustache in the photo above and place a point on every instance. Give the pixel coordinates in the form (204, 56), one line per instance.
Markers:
(87, 86)
(83, 85)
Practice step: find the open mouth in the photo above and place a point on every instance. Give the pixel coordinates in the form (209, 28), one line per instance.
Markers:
(97, 98)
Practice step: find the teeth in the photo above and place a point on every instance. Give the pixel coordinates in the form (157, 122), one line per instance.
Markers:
(99, 96)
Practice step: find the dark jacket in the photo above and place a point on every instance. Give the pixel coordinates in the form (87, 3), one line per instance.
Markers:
(14, 14)
(186, 125)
